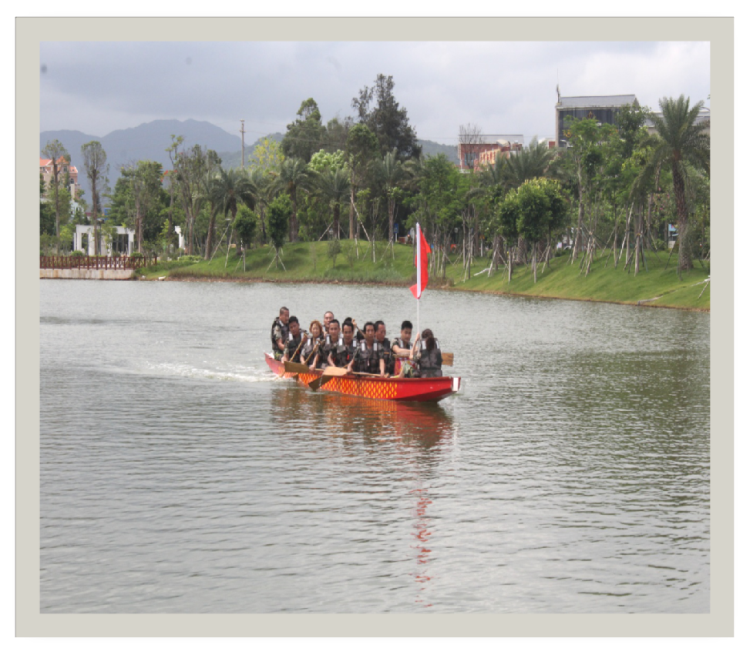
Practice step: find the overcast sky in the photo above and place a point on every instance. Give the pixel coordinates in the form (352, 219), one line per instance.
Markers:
(505, 88)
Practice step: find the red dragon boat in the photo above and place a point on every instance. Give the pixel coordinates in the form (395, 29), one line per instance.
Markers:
(407, 389)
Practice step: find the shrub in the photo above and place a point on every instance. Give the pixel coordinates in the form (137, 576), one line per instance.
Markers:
(334, 249)
(190, 259)
(77, 253)
(137, 255)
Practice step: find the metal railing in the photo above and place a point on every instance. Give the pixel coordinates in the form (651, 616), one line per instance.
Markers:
(96, 262)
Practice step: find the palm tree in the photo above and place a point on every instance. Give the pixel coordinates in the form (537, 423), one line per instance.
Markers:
(527, 164)
(293, 175)
(333, 185)
(208, 191)
(264, 194)
(232, 187)
(681, 142)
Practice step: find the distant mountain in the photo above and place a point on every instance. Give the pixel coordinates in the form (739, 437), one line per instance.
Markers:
(432, 148)
(147, 141)
(151, 140)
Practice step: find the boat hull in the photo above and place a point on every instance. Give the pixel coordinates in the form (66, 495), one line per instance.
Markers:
(401, 389)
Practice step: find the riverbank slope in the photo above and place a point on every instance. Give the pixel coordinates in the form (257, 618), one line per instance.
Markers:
(657, 284)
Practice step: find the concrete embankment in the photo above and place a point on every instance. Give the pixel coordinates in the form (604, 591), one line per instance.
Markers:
(85, 274)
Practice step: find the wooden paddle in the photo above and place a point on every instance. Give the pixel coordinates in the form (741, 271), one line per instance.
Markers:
(447, 359)
(294, 367)
(290, 362)
(329, 372)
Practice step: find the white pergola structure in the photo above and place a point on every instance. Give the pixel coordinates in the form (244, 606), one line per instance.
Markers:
(122, 233)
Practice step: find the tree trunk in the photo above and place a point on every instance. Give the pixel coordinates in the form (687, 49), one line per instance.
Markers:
(686, 262)
(351, 215)
(520, 252)
(336, 215)
(579, 228)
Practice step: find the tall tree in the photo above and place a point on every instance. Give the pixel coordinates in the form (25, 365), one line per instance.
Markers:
(267, 156)
(361, 149)
(95, 162)
(391, 173)
(305, 135)
(584, 153)
(234, 189)
(387, 120)
(682, 142)
(192, 167)
(145, 180)
(264, 194)
(55, 151)
(278, 216)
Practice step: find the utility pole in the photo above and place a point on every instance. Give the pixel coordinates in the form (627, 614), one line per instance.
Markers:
(242, 132)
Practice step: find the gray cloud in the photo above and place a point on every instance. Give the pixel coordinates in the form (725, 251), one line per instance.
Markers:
(505, 87)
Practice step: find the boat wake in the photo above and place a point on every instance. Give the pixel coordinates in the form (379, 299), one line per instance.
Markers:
(241, 374)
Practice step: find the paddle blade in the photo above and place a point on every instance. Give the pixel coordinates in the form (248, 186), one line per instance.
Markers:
(447, 359)
(294, 367)
(335, 371)
(319, 382)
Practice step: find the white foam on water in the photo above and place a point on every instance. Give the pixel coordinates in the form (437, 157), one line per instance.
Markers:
(242, 374)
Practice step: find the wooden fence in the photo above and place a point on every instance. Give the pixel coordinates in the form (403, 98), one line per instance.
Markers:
(96, 262)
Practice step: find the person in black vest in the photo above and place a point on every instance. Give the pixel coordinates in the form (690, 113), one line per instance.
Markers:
(427, 356)
(401, 349)
(358, 334)
(344, 354)
(280, 333)
(370, 353)
(311, 352)
(385, 347)
(294, 343)
(332, 341)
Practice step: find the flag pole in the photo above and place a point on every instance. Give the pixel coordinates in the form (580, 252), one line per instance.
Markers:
(419, 269)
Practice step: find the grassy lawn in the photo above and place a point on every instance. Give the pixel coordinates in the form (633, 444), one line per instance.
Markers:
(310, 262)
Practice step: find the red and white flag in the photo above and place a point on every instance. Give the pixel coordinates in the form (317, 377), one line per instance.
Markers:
(420, 261)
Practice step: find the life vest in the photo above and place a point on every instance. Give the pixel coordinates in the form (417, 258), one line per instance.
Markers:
(387, 355)
(307, 348)
(292, 347)
(284, 335)
(402, 344)
(368, 358)
(345, 354)
(430, 361)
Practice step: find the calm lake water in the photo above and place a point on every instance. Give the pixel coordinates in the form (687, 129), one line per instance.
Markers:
(570, 474)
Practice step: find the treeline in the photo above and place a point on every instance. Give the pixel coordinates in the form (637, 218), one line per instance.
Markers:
(615, 187)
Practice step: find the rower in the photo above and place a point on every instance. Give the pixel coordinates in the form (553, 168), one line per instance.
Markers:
(327, 317)
(385, 346)
(344, 353)
(370, 353)
(358, 334)
(332, 340)
(401, 349)
(292, 350)
(426, 354)
(310, 353)
(280, 333)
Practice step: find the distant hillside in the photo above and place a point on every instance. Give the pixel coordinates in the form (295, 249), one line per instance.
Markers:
(147, 141)
(151, 140)
(431, 148)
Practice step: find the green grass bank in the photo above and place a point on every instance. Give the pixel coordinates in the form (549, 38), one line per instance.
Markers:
(656, 285)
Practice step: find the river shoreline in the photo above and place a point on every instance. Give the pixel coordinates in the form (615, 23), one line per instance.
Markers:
(641, 303)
